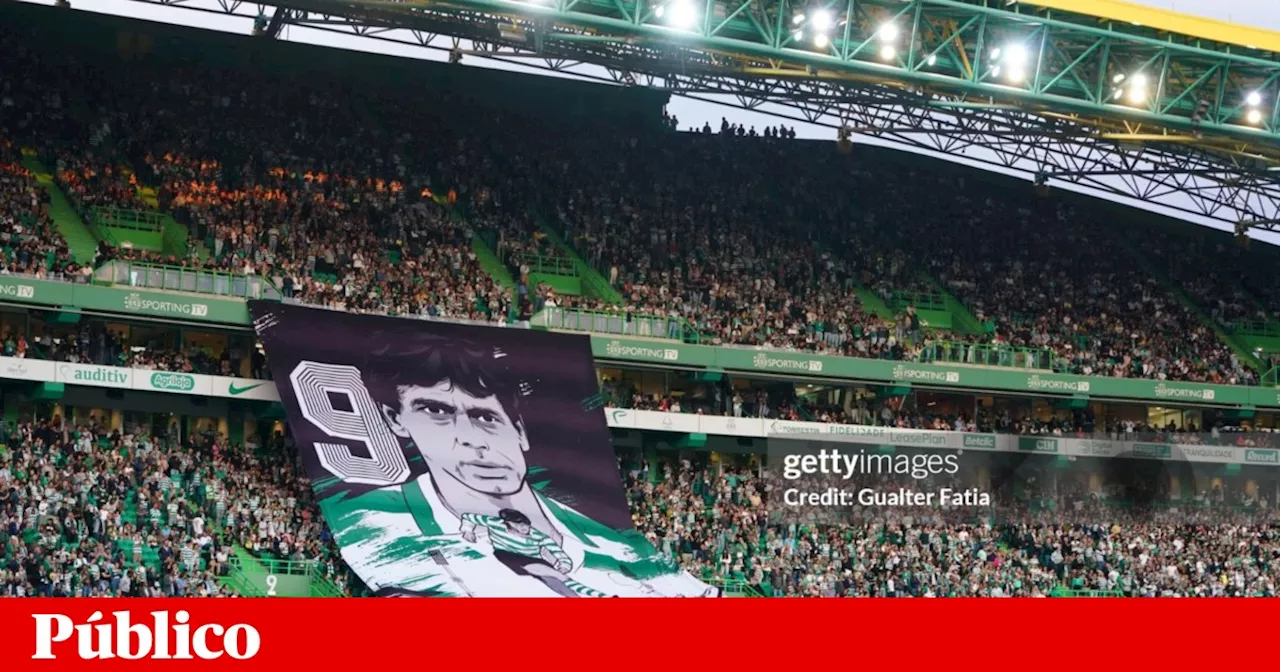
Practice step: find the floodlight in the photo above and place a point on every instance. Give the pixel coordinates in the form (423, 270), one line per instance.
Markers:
(682, 15)
(1015, 56)
(820, 19)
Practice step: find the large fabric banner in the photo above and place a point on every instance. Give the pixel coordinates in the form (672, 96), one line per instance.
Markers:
(454, 460)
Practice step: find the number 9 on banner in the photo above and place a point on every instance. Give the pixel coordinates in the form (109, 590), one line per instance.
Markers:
(314, 385)
(272, 581)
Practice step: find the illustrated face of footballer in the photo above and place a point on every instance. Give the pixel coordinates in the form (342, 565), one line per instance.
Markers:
(464, 436)
(521, 529)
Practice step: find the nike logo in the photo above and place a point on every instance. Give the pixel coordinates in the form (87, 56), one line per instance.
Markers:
(234, 391)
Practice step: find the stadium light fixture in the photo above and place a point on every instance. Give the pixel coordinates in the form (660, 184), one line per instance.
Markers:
(1137, 95)
(1011, 59)
(820, 19)
(1253, 116)
(888, 52)
(888, 32)
(682, 14)
(1254, 99)
(1015, 56)
(933, 59)
(820, 40)
(1137, 89)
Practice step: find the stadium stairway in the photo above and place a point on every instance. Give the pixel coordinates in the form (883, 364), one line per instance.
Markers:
(240, 583)
(1247, 357)
(949, 314)
(1263, 337)
(139, 229)
(594, 284)
(323, 587)
(240, 576)
(872, 303)
(80, 241)
(962, 319)
(737, 588)
(249, 560)
(148, 196)
(561, 277)
(251, 576)
(1266, 342)
(176, 239)
(1254, 303)
(491, 264)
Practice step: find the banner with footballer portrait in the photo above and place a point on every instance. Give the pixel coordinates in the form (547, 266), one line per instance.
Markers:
(458, 460)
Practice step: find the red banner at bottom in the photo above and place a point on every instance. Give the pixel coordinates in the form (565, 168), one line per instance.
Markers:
(363, 634)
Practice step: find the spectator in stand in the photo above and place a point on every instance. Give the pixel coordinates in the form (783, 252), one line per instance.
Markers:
(1042, 282)
(781, 403)
(91, 183)
(373, 207)
(93, 343)
(282, 179)
(30, 243)
(712, 518)
(1232, 281)
(87, 512)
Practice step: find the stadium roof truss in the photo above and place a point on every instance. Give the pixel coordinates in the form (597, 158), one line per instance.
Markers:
(1171, 119)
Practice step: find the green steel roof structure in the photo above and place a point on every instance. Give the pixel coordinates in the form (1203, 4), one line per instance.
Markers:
(1143, 105)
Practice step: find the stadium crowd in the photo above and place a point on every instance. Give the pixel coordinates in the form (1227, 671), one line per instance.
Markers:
(780, 402)
(29, 241)
(91, 342)
(280, 178)
(1231, 281)
(88, 512)
(372, 200)
(715, 520)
